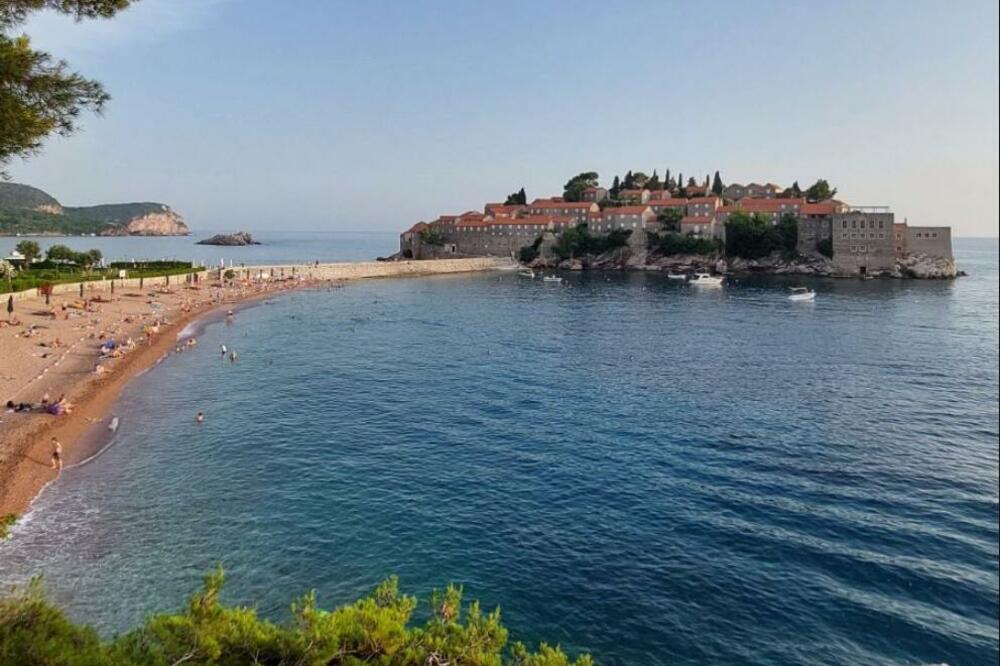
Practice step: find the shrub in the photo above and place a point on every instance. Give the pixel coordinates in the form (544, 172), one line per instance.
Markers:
(578, 241)
(376, 629)
(431, 236)
(674, 243)
(753, 236)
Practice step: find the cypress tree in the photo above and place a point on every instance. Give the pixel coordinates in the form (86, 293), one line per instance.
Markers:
(717, 187)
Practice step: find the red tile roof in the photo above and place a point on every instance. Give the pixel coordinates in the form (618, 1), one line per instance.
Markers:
(752, 205)
(624, 210)
(819, 208)
(701, 200)
(419, 226)
(696, 219)
(573, 205)
(667, 202)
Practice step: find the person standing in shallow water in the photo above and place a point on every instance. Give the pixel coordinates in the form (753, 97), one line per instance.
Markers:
(57, 457)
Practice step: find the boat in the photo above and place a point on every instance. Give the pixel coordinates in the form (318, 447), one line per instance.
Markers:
(526, 273)
(676, 276)
(802, 294)
(706, 280)
(551, 278)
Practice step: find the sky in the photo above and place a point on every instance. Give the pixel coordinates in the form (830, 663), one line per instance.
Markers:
(355, 116)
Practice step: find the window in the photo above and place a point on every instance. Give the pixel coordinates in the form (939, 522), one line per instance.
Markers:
(854, 224)
(881, 223)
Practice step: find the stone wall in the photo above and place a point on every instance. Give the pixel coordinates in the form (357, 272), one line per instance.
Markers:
(863, 242)
(812, 230)
(929, 241)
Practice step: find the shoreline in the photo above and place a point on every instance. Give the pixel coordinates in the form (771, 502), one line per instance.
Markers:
(25, 448)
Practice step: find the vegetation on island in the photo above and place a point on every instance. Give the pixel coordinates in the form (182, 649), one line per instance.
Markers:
(671, 243)
(573, 190)
(753, 236)
(431, 236)
(519, 198)
(529, 253)
(377, 629)
(579, 242)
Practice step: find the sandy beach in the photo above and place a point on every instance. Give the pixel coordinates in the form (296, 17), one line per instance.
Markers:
(65, 349)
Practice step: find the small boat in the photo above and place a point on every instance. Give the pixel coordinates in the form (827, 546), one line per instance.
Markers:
(802, 294)
(526, 273)
(706, 280)
(676, 276)
(551, 278)
(113, 426)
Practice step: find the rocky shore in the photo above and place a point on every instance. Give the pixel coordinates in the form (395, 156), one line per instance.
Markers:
(625, 258)
(239, 239)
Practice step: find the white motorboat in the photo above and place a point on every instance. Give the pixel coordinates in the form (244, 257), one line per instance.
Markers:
(551, 278)
(526, 273)
(676, 276)
(802, 294)
(705, 280)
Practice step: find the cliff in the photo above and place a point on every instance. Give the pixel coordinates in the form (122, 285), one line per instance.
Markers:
(28, 210)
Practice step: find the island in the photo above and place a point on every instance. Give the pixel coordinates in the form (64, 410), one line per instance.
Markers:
(29, 211)
(644, 222)
(238, 239)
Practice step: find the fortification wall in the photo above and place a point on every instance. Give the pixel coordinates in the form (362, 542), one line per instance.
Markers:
(930, 241)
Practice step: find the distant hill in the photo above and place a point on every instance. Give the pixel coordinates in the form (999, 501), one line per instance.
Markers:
(27, 210)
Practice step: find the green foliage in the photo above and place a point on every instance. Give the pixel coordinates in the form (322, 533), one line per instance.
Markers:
(573, 190)
(519, 198)
(46, 272)
(825, 247)
(431, 235)
(717, 186)
(6, 522)
(670, 219)
(29, 249)
(578, 242)
(39, 95)
(616, 186)
(529, 253)
(376, 629)
(820, 191)
(7, 269)
(16, 195)
(674, 243)
(793, 192)
(229, 274)
(753, 236)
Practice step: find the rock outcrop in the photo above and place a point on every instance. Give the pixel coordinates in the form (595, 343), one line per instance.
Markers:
(238, 239)
(926, 267)
(164, 223)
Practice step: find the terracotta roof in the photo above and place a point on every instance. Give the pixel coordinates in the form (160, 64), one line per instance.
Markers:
(624, 210)
(701, 200)
(820, 208)
(630, 193)
(533, 220)
(446, 219)
(667, 202)
(545, 203)
(696, 219)
(481, 222)
(419, 226)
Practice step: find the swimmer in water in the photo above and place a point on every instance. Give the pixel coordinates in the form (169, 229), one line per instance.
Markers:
(200, 417)
(232, 356)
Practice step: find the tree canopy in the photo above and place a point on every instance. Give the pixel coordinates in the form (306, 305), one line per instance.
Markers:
(717, 186)
(753, 236)
(519, 198)
(39, 95)
(376, 629)
(820, 191)
(573, 190)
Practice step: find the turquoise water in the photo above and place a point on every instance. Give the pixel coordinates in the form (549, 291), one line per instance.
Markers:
(655, 474)
(276, 247)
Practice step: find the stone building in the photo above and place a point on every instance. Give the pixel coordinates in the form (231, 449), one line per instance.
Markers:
(863, 241)
(929, 241)
(634, 196)
(816, 224)
(626, 217)
(735, 191)
(703, 226)
(575, 209)
(595, 194)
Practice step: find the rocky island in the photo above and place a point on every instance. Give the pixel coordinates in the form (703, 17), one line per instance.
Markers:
(233, 240)
(26, 210)
(644, 222)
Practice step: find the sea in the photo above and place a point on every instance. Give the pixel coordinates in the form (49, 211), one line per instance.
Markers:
(626, 465)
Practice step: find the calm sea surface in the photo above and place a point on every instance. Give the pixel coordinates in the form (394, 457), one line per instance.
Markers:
(653, 473)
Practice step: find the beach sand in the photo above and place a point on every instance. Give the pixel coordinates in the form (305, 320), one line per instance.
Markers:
(61, 358)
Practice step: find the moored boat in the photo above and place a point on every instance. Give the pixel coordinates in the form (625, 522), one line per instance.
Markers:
(706, 280)
(551, 278)
(802, 294)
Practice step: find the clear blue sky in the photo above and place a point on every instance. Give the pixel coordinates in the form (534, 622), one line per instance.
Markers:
(371, 115)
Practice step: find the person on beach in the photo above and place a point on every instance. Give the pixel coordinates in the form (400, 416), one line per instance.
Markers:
(200, 417)
(57, 460)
